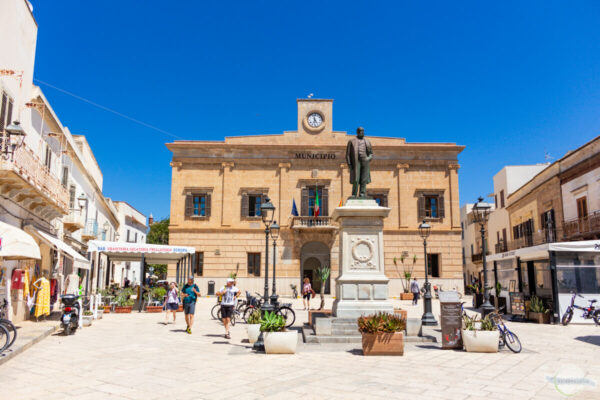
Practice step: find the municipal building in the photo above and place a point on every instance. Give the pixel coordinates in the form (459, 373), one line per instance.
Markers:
(218, 187)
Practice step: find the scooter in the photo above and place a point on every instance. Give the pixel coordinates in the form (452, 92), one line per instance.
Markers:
(70, 316)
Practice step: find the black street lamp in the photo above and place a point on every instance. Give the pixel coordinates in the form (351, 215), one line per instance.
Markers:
(274, 235)
(267, 212)
(481, 212)
(427, 318)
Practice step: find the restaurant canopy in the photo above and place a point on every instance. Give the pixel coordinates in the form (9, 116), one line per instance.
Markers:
(153, 253)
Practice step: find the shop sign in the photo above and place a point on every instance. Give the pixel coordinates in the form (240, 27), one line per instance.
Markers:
(517, 303)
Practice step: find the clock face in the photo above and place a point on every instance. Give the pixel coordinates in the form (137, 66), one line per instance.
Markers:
(315, 120)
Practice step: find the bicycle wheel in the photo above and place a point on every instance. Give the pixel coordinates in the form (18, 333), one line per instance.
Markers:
(567, 316)
(288, 314)
(512, 341)
(216, 309)
(4, 338)
(597, 318)
(247, 312)
(12, 330)
(234, 317)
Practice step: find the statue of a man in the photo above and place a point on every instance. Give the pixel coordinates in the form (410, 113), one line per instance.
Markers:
(358, 156)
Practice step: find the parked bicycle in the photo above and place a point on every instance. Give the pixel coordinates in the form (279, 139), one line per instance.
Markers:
(294, 290)
(507, 337)
(589, 312)
(8, 333)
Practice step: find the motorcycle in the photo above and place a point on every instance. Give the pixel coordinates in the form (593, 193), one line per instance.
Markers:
(589, 312)
(70, 316)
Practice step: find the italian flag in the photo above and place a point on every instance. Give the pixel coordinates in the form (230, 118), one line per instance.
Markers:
(317, 205)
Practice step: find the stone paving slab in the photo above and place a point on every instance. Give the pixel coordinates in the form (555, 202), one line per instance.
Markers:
(28, 334)
(137, 356)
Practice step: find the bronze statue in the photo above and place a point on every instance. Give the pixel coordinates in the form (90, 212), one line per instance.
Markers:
(359, 154)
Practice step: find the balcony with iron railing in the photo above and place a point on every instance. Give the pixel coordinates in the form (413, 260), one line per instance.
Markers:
(541, 237)
(28, 180)
(305, 222)
(478, 257)
(580, 228)
(90, 231)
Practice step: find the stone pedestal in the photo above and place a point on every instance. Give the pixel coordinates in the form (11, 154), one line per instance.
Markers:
(362, 287)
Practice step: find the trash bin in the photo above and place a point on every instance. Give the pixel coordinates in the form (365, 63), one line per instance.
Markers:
(211, 288)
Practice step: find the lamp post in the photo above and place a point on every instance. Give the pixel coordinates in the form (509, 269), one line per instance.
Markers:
(427, 318)
(274, 235)
(481, 212)
(267, 212)
(13, 137)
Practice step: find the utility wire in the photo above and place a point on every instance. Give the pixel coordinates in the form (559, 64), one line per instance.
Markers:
(110, 110)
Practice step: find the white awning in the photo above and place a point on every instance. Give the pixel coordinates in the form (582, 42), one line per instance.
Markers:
(541, 251)
(153, 253)
(78, 260)
(16, 244)
(583, 245)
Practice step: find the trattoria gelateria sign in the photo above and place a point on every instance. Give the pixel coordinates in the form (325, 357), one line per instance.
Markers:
(314, 156)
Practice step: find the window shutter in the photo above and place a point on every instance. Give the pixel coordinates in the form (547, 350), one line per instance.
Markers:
(2, 111)
(325, 202)
(384, 200)
(442, 212)
(207, 205)
(304, 202)
(189, 205)
(244, 212)
(9, 113)
(421, 206)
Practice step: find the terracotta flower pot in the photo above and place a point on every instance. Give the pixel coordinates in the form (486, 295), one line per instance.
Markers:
(406, 296)
(123, 310)
(383, 344)
(154, 309)
(106, 309)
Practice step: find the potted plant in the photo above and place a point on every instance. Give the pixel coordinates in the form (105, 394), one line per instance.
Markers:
(480, 336)
(406, 275)
(323, 274)
(277, 340)
(157, 294)
(382, 334)
(87, 318)
(254, 321)
(538, 312)
(123, 302)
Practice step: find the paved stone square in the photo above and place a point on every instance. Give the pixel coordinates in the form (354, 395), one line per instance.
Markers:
(137, 356)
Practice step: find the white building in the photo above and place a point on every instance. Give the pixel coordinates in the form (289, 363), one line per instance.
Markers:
(472, 247)
(132, 229)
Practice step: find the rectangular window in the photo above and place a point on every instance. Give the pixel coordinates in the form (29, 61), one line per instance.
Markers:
(254, 264)
(135, 239)
(464, 258)
(199, 267)
(462, 230)
(197, 204)
(254, 202)
(65, 177)
(309, 198)
(431, 205)
(496, 200)
(48, 159)
(502, 198)
(380, 198)
(127, 235)
(72, 197)
(6, 107)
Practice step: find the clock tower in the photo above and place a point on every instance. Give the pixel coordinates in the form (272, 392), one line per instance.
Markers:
(315, 116)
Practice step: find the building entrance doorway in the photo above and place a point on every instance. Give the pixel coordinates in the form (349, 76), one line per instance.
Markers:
(313, 256)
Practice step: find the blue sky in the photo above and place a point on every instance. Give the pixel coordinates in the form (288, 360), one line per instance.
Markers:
(510, 80)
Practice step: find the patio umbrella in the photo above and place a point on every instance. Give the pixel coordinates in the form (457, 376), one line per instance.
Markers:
(16, 244)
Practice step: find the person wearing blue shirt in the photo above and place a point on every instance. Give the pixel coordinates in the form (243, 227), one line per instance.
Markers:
(190, 293)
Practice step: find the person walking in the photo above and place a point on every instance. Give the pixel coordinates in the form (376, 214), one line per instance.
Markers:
(307, 293)
(414, 288)
(230, 294)
(190, 293)
(171, 303)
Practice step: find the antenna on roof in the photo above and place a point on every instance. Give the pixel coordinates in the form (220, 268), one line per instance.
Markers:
(547, 156)
(310, 95)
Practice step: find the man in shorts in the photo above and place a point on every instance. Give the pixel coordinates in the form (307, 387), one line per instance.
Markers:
(190, 293)
(230, 294)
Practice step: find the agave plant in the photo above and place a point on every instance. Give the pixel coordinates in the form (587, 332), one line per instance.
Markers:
(381, 322)
(537, 305)
(272, 322)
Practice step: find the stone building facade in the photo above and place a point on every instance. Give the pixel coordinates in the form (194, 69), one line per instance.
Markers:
(218, 186)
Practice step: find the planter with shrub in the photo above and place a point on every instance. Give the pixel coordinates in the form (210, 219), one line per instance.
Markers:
(254, 326)
(382, 334)
(123, 301)
(87, 318)
(480, 336)
(538, 312)
(277, 340)
(156, 294)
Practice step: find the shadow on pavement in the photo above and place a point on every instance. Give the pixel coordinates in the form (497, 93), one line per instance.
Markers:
(178, 330)
(355, 352)
(589, 339)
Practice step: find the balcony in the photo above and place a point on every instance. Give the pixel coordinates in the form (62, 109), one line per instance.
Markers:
(541, 237)
(90, 231)
(312, 223)
(478, 257)
(501, 247)
(26, 181)
(74, 221)
(583, 228)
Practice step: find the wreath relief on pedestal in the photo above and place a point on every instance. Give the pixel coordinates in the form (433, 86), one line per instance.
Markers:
(362, 253)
